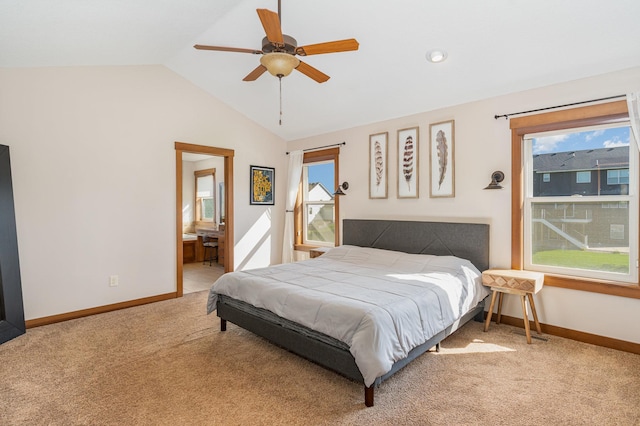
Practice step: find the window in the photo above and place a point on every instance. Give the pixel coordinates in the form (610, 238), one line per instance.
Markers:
(582, 235)
(318, 203)
(546, 177)
(205, 195)
(583, 177)
(616, 232)
(617, 177)
(317, 207)
(582, 238)
(618, 205)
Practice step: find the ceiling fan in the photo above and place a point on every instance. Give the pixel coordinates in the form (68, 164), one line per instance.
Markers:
(279, 50)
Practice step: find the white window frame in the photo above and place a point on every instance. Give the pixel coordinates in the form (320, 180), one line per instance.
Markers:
(583, 176)
(611, 180)
(306, 204)
(631, 199)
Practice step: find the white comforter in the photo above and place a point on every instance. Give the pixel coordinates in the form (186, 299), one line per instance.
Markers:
(380, 303)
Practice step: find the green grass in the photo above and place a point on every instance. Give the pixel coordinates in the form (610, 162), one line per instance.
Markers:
(609, 262)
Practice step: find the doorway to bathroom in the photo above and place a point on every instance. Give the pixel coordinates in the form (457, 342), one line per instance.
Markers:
(203, 215)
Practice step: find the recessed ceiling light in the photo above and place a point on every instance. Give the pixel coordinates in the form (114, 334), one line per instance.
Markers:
(436, 55)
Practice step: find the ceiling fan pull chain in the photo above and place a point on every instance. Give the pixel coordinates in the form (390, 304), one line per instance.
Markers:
(280, 121)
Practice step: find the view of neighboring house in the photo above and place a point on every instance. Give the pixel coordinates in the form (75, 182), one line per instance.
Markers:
(602, 171)
(320, 213)
(567, 224)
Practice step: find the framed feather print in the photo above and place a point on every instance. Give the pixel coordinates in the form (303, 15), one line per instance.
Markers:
(441, 159)
(378, 167)
(408, 163)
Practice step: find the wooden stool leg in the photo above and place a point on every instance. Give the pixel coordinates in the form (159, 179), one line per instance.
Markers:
(526, 319)
(499, 308)
(493, 301)
(535, 315)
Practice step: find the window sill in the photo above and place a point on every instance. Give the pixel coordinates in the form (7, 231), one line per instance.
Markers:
(307, 247)
(584, 284)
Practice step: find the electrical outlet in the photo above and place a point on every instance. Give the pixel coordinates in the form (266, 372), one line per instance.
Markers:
(113, 281)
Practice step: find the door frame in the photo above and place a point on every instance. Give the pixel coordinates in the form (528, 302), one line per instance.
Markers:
(228, 155)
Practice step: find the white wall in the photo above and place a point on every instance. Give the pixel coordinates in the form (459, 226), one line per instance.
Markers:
(482, 145)
(93, 166)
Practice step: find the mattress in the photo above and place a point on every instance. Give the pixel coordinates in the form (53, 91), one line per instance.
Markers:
(379, 303)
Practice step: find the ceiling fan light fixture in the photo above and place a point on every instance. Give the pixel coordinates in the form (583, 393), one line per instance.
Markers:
(436, 55)
(279, 64)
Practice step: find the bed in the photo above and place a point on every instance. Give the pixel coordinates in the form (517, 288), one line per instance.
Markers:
(344, 308)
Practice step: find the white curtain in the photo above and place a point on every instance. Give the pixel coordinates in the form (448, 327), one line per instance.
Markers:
(633, 99)
(293, 180)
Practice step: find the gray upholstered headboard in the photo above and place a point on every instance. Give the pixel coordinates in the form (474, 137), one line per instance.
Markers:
(465, 240)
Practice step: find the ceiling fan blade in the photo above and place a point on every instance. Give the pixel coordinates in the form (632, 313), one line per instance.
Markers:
(228, 49)
(328, 47)
(271, 24)
(312, 73)
(253, 75)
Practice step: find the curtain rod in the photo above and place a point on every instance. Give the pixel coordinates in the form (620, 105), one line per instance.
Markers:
(506, 116)
(321, 147)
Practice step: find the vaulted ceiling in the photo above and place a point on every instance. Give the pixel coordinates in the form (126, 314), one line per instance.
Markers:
(494, 47)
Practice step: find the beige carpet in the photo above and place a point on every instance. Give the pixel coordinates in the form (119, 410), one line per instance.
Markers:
(168, 364)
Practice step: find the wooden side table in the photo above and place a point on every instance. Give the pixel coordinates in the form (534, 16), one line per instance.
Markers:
(523, 283)
(317, 252)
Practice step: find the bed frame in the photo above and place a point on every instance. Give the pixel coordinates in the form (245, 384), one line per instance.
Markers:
(465, 240)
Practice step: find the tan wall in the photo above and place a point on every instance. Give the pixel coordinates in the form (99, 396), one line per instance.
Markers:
(93, 164)
(482, 145)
